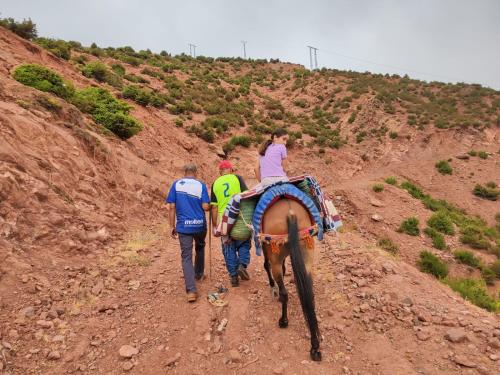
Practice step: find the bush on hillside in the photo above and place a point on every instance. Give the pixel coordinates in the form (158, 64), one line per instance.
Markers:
(377, 188)
(437, 238)
(238, 140)
(474, 237)
(391, 180)
(474, 291)
(410, 226)
(429, 263)
(466, 257)
(495, 267)
(143, 97)
(387, 244)
(25, 29)
(482, 154)
(488, 275)
(444, 167)
(101, 73)
(108, 111)
(302, 103)
(58, 47)
(118, 69)
(43, 79)
(486, 192)
(441, 222)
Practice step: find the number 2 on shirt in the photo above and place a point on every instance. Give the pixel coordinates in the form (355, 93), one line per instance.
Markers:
(226, 186)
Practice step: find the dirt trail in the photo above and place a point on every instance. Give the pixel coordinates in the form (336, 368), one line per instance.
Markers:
(365, 321)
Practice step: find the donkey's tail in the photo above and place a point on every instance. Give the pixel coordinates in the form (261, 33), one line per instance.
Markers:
(303, 280)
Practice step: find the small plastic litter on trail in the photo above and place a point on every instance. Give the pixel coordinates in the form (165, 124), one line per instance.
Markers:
(217, 298)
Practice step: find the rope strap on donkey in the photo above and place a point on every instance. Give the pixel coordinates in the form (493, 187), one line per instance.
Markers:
(276, 240)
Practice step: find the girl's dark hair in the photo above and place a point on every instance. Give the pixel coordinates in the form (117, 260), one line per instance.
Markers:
(280, 132)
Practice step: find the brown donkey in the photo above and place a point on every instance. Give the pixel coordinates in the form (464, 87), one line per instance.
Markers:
(288, 223)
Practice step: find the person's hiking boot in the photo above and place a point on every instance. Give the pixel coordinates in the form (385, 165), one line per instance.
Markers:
(243, 273)
(234, 281)
(192, 297)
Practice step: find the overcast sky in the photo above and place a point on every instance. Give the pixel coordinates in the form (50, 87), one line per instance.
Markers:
(445, 40)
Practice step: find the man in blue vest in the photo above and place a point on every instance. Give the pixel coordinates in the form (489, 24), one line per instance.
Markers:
(188, 199)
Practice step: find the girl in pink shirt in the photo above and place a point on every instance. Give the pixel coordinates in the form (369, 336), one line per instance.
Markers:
(271, 165)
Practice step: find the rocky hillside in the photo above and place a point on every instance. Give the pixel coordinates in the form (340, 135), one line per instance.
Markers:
(91, 139)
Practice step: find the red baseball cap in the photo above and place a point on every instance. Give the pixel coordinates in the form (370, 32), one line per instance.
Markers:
(225, 164)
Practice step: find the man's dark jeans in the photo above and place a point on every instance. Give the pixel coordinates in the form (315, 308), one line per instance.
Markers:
(190, 271)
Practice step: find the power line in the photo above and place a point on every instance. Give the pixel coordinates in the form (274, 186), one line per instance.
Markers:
(391, 66)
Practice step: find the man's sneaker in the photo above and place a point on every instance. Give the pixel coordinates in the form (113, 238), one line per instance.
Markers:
(192, 296)
(234, 281)
(243, 273)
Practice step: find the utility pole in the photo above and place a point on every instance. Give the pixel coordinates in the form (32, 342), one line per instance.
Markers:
(244, 42)
(311, 49)
(192, 50)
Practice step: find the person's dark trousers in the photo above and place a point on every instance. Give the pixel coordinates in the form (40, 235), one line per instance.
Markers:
(235, 253)
(190, 271)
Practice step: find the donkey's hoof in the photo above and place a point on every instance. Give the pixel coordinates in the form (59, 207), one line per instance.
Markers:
(283, 323)
(315, 355)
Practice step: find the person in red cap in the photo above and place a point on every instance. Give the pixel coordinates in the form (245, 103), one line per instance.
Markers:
(236, 253)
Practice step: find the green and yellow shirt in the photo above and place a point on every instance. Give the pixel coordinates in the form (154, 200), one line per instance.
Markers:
(223, 190)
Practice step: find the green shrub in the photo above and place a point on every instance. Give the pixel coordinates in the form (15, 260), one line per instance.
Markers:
(25, 29)
(429, 263)
(101, 73)
(352, 118)
(238, 140)
(118, 69)
(300, 103)
(204, 133)
(179, 123)
(108, 111)
(474, 237)
(482, 154)
(467, 257)
(491, 184)
(444, 167)
(441, 222)
(486, 192)
(43, 79)
(472, 153)
(58, 47)
(391, 180)
(377, 188)
(474, 291)
(386, 244)
(393, 135)
(143, 97)
(49, 103)
(414, 190)
(495, 267)
(437, 238)
(410, 226)
(488, 275)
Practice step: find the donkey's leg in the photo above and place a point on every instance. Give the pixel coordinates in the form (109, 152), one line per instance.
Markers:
(267, 267)
(277, 268)
(307, 254)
